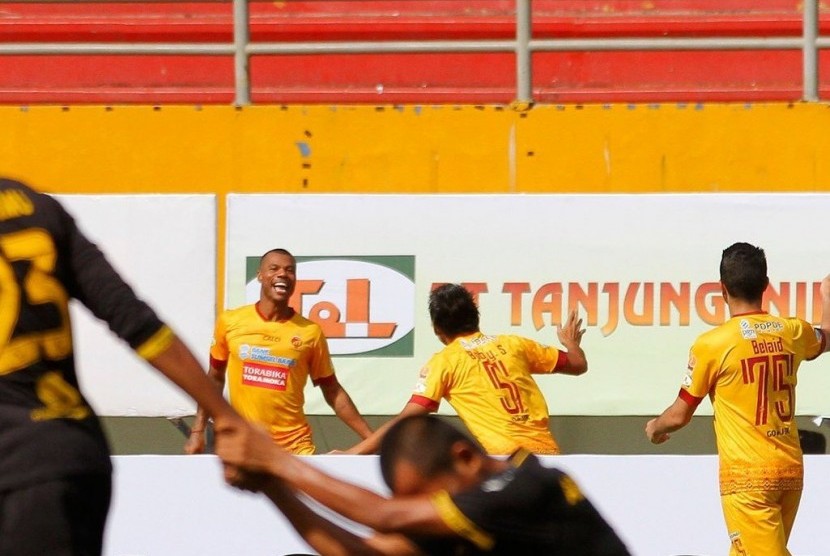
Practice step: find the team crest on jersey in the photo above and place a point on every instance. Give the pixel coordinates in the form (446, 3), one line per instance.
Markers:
(747, 330)
(297, 342)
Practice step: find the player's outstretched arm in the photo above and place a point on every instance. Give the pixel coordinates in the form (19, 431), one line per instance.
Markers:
(196, 442)
(371, 444)
(825, 311)
(674, 418)
(328, 538)
(343, 406)
(570, 335)
(252, 451)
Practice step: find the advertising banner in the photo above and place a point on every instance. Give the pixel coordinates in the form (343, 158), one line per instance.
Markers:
(641, 270)
(164, 246)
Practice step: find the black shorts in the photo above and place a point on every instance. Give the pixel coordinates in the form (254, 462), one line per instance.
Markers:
(63, 517)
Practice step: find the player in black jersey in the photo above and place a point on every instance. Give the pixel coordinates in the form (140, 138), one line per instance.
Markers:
(54, 460)
(448, 497)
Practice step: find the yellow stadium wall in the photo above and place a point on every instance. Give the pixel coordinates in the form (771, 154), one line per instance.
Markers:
(408, 149)
(431, 149)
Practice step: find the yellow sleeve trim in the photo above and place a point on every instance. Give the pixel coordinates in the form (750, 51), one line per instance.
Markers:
(458, 522)
(518, 457)
(156, 344)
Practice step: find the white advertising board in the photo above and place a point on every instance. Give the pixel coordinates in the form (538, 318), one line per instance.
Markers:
(659, 505)
(642, 270)
(165, 247)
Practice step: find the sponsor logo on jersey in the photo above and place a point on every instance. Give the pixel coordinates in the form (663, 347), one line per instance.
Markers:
(365, 305)
(263, 354)
(272, 377)
(747, 330)
(687, 378)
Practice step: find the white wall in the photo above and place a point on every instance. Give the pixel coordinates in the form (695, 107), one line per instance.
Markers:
(660, 505)
(165, 247)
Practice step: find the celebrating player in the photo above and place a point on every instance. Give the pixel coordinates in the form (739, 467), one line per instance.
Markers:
(748, 367)
(55, 471)
(487, 379)
(448, 497)
(268, 352)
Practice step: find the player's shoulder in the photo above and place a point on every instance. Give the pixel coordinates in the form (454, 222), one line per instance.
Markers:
(299, 320)
(237, 314)
(18, 200)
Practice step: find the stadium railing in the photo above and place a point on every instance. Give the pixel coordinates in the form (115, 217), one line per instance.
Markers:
(523, 46)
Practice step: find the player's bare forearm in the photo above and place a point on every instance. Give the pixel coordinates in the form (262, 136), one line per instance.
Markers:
(326, 537)
(387, 515)
(252, 451)
(674, 418)
(371, 444)
(345, 409)
(577, 362)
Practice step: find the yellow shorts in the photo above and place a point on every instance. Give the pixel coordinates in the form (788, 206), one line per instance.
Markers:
(759, 523)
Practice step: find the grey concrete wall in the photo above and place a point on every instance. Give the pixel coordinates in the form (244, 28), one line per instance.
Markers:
(576, 435)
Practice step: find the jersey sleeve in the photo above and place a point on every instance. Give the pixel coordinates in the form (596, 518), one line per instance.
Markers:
(809, 341)
(433, 383)
(542, 359)
(701, 374)
(219, 351)
(91, 279)
(320, 367)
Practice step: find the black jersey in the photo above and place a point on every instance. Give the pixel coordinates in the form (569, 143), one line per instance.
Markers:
(527, 510)
(47, 429)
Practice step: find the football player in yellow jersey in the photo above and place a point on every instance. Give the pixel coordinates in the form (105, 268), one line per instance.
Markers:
(268, 352)
(748, 367)
(487, 379)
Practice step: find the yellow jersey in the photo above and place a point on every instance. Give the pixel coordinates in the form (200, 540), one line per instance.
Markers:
(268, 364)
(748, 367)
(487, 379)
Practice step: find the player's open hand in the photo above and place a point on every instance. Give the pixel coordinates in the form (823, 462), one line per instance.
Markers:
(654, 436)
(571, 333)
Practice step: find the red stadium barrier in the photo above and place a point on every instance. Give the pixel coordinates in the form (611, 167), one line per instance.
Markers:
(402, 78)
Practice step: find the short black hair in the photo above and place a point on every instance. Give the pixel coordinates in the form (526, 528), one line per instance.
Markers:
(425, 441)
(453, 310)
(278, 250)
(743, 271)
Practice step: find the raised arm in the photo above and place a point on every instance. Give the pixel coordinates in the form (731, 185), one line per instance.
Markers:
(570, 335)
(343, 406)
(326, 537)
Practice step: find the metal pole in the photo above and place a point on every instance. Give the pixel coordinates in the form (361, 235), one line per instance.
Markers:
(241, 38)
(524, 75)
(810, 50)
